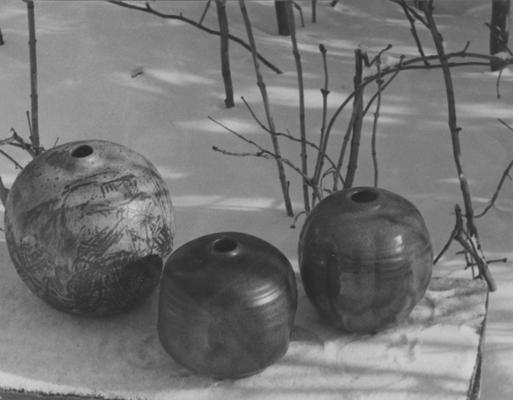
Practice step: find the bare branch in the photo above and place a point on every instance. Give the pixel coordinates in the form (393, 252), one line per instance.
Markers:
(16, 163)
(17, 141)
(356, 121)
(300, 11)
(458, 225)
(302, 122)
(180, 17)
(262, 152)
(492, 201)
(322, 145)
(413, 29)
(265, 100)
(296, 218)
(34, 125)
(469, 237)
(375, 125)
(203, 15)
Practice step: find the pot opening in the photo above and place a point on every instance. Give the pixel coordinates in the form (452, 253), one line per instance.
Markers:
(364, 196)
(225, 245)
(82, 151)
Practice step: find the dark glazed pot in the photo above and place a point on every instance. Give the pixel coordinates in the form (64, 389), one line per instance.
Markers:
(227, 305)
(88, 225)
(365, 258)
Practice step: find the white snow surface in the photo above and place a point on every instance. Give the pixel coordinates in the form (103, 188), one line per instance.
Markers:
(87, 54)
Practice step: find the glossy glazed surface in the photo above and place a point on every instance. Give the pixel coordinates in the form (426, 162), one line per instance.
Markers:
(227, 305)
(365, 258)
(88, 224)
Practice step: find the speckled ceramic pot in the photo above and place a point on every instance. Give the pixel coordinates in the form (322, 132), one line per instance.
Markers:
(88, 225)
(365, 258)
(227, 305)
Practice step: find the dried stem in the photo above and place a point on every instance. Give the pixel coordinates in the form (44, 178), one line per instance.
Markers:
(471, 250)
(150, 10)
(452, 121)
(491, 203)
(314, 11)
(204, 14)
(288, 136)
(375, 124)
(10, 158)
(300, 11)
(225, 57)
(413, 29)
(343, 148)
(357, 121)
(34, 125)
(302, 123)
(323, 138)
(267, 109)
(262, 152)
(471, 241)
(16, 140)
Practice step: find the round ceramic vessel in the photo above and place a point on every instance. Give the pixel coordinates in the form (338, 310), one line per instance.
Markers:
(365, 258)
(227, 305)
(88, 224)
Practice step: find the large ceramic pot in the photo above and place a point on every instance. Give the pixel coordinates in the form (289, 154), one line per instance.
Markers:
(227, 305)
(365, 258)
(88, 225)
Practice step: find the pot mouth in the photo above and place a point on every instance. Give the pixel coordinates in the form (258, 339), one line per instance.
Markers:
(364, 195)
(82, 151)
(225, 246)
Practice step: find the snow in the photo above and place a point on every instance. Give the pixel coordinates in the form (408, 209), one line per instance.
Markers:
(87, 53)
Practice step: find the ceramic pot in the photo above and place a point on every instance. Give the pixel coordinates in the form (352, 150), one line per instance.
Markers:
(88, 225)
(365, 258)
(227, 305)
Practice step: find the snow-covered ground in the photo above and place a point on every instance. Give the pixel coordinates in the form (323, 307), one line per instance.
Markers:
(88, 49)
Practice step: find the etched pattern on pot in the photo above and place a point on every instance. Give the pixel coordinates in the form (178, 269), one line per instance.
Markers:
(88, 233)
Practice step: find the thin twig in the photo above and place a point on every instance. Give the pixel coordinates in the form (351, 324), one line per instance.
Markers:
(472, 243)
(452, 122)
(222, 19)
(265, 100)
(302, 123)
(491, 203)
(457, 227)
(411, 63)
(285, 135)
(262, 152)
(413, 29)
(148, 9)
(375, 125)
(325, 93)
(300, 11)
(34, 113)
(493, 261)
(503, 36)
(412, 11)
(16, 163)
(296, 218)
(403, 65)
(356, 121)
(343, 148)
(203, 15)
